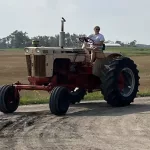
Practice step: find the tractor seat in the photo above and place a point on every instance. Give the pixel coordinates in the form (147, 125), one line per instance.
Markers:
(103, 48)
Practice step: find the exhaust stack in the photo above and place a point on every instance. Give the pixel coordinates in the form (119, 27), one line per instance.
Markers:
(62, 34)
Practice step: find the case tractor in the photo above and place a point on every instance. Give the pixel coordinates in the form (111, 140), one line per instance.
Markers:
(67, 75)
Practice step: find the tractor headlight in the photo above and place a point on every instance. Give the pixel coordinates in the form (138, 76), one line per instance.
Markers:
(26, 50)
(37, 51)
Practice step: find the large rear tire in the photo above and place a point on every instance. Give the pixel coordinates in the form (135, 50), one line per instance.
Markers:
(9, 99)
(59, 101)
(120, 82)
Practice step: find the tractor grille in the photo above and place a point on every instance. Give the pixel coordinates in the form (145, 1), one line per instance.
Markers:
(38, 65)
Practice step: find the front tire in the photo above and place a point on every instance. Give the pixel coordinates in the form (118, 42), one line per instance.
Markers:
(59, 101)
(120, 82)
(9, 99)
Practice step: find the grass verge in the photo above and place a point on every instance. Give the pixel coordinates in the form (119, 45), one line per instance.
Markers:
(37, 99)
(28, 100)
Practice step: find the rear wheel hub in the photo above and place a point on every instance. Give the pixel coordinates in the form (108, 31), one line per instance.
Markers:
(126, 82)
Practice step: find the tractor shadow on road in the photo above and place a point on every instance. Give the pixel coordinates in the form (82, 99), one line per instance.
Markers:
(103, 109)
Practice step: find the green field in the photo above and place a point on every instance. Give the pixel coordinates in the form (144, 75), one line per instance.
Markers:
(130, 51)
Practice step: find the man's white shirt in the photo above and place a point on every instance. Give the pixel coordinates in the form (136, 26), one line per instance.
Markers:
(97, 38)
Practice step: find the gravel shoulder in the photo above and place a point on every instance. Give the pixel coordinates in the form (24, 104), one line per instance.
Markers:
(87, 126)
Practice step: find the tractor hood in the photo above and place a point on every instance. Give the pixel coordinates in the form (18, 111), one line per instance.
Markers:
(50, 50)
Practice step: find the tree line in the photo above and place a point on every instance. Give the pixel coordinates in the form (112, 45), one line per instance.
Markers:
(20, 39)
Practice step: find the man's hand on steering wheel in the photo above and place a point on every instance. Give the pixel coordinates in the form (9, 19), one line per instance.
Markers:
(86, 39)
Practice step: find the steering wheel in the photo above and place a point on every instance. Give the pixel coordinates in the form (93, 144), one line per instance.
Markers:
(86, 39)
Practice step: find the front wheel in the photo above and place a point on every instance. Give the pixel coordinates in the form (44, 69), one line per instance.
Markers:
(9, 99)
(120, 82)
(59, 101)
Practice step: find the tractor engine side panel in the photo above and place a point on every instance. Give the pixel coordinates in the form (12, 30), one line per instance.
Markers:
(50, 59)
(49, 65)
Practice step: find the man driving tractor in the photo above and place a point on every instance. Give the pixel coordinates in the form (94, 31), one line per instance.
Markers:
(98, 39)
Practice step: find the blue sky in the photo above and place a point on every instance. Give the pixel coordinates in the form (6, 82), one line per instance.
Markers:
(124, 20)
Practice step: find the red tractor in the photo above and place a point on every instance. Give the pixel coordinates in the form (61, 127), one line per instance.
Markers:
(67, 75)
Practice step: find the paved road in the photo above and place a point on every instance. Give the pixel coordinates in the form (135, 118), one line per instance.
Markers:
(87, 126)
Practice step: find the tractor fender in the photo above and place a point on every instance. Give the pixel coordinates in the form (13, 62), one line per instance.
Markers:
(113, 55)
(97, 67)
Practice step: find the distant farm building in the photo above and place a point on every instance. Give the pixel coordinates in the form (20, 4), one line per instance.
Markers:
(112, 45)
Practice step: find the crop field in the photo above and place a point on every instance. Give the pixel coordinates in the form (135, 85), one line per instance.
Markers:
(13, 68)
